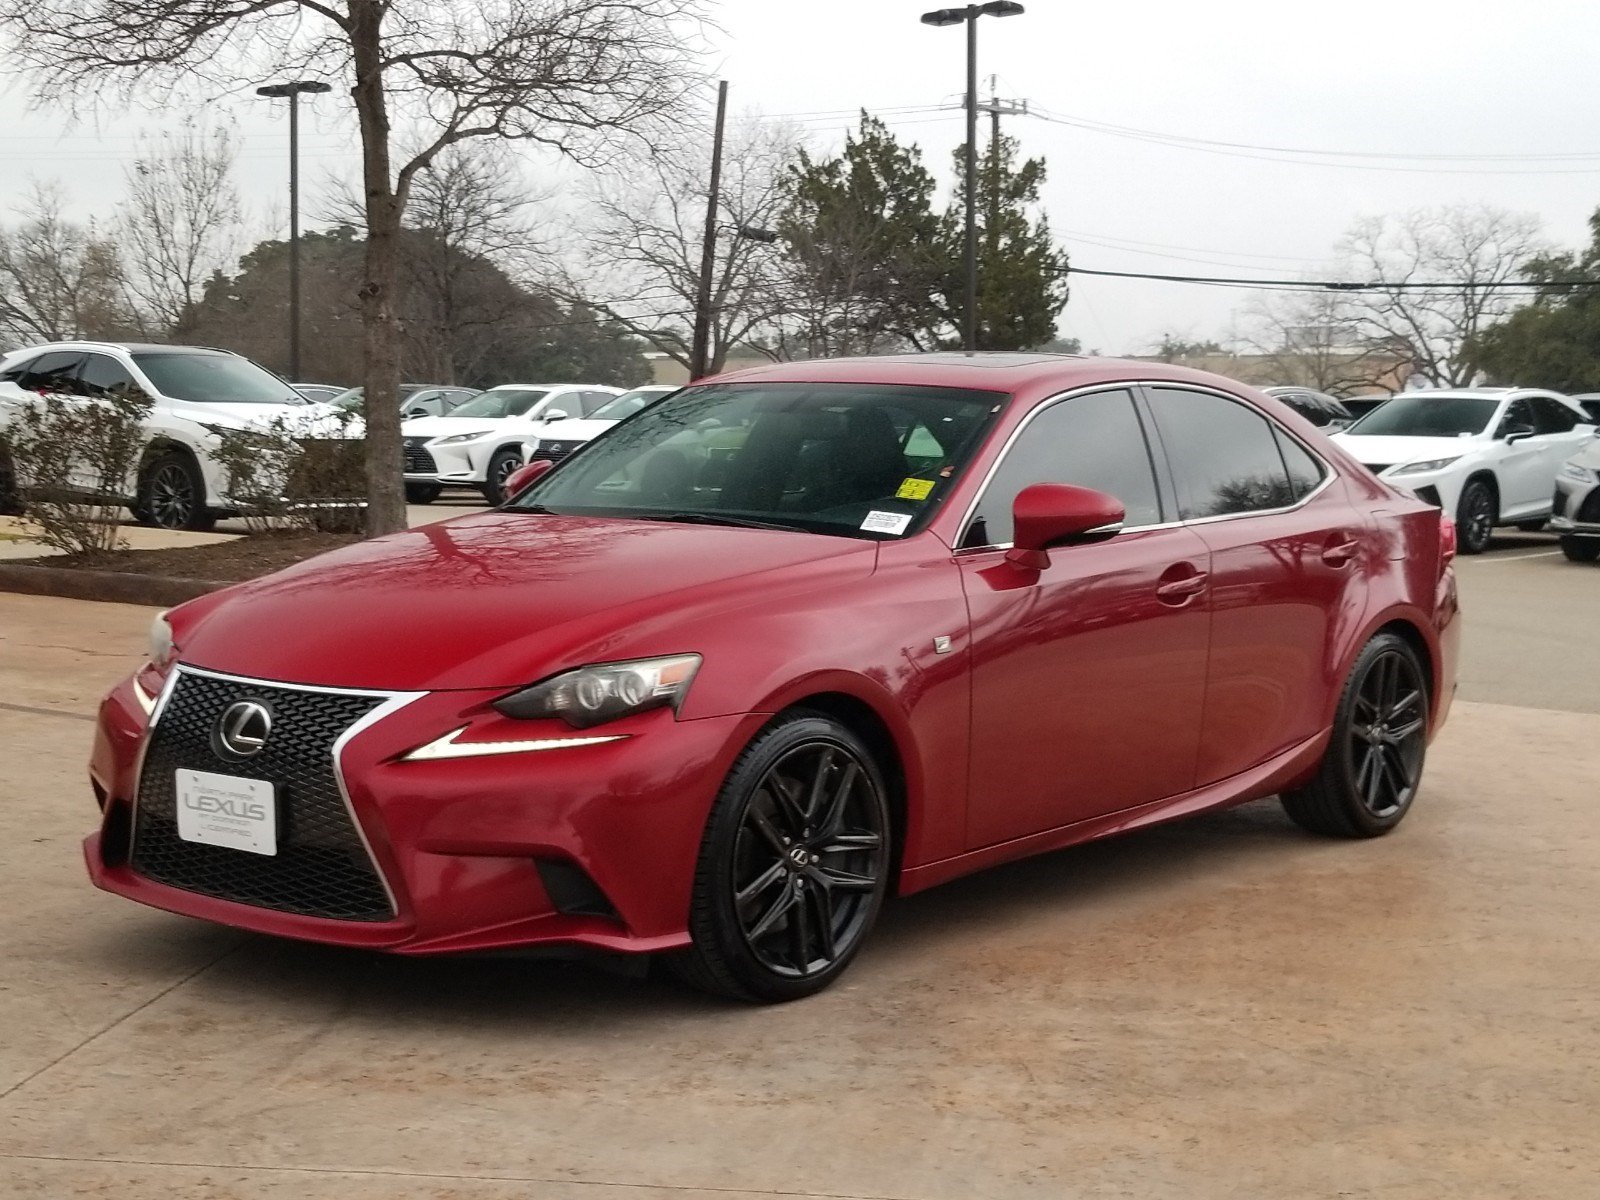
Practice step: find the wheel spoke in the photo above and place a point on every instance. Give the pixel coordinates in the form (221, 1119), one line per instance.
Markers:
(800, 934)
(1405, 703)
(826, 945)
(764, 826)
(1401, 771)
(844, 843)
(843, 881)
(770, 918)
(761, 882)
(833, 821)
(1374, 768)
(1400, 733)
(819, 785)
(786, 793)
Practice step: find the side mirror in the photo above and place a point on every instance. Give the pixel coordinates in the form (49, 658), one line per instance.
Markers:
(1515, 433)
(554, 414)
(1050, 514)
(526, 475)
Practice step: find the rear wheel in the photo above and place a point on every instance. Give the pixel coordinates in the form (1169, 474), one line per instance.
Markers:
(793, 867)
(1476, 514)
(422, 493)
(1581, 549)
(1373, 765)
(501, 467)
(172, 494)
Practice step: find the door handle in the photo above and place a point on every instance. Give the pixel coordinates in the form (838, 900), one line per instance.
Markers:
(1181, 591)
(1337, 554)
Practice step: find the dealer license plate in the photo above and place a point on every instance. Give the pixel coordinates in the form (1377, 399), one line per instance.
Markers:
(225, 810)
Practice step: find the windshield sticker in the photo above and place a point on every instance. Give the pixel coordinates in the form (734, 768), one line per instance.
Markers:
(886, 522)
(914, 489)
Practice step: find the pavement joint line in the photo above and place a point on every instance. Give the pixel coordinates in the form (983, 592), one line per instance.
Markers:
(447, 1176)
(132, 1012)
(45, 712)
(1505, 558)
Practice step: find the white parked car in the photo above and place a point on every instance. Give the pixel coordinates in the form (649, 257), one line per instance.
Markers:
(557, 439)
(1488, 456)
(1577, 515)
(479, 443)
(198, 395)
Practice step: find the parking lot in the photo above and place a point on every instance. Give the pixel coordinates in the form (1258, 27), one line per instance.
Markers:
(1220, 1008)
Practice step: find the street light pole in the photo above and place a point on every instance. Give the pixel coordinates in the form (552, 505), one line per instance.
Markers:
(293, 92)
(970, 15)
(700, 343)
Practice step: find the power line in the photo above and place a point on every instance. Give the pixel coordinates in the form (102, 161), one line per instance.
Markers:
(1340, 285)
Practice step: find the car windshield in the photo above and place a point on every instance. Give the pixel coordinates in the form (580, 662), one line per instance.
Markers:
(853, 460)
(625, 405)
(209, 378)
(1428, 416)
(501, 402)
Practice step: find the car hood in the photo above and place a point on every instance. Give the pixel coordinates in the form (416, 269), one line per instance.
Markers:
(502, 599)
(1386, 450)
(577, 429)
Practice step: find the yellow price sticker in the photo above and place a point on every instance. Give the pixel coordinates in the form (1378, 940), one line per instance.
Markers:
(914, 489)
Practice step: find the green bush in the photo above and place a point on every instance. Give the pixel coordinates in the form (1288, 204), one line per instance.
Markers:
(295, 474)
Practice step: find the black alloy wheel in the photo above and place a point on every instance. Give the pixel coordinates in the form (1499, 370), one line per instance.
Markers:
(172, 494)
(1373, 765)
(794, 866)
(422, 493)
(1476, 515)
(1577, 549)
(502, 466)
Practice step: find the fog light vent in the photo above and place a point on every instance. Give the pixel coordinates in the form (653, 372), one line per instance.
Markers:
(572, 891)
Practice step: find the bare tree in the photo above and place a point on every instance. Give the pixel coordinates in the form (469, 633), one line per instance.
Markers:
(181, 222)
(571, 74)
(1318, 340)
(58, 279)
(1473, 247)
(641, 250)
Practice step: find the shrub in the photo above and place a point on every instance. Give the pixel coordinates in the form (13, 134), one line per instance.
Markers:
(295, 474)
(72, 462)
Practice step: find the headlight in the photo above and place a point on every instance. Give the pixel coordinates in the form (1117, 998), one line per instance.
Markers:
(162, 651)
(1430, 464)
(594, 695)
(1574, 471)
(457, 438)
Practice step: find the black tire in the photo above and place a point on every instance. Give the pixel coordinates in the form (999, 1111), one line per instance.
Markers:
(505, 461)
(1581, 549)
(1477, 513)
(422, 493)
(172, 494)
(793, 867)
(1373, 766)
(1532, 526)
(10, 494)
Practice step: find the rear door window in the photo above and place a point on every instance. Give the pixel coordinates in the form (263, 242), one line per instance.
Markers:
(101, 374)
(1551, 416)
(1305, 472)
(1224, 455)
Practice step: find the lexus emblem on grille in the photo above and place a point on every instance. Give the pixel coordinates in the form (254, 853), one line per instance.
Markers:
(243, 728)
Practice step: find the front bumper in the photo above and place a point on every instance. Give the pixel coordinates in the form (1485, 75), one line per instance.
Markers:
(465, 845)
(1441, 487)
(1575, 508)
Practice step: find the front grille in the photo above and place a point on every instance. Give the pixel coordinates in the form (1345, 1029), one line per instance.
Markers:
(554, 451)
(418, 460)
(322, 868)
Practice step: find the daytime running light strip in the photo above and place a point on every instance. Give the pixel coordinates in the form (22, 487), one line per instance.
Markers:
(449, 747)
(145, 699)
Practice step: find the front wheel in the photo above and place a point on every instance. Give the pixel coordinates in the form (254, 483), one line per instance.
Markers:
(793, 867)
(1581, 549)
(1476, 514)
(1373, 765)
(172, 494)
(501, 467)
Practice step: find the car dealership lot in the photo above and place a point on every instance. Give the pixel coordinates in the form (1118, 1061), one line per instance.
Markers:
(1224, 1007)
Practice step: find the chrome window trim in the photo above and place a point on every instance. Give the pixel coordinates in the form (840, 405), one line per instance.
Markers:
(1328, 471)
(392, 702)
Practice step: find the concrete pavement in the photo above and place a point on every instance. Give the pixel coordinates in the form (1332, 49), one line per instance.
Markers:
(1221, 1008)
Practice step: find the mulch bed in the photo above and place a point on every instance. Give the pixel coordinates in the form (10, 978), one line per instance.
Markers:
(219, 562)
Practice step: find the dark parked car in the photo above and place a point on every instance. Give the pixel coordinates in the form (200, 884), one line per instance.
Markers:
(781, 645)
(1322, 410)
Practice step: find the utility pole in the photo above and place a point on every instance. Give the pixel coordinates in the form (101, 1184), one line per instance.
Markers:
(700, 348)
(995, 108)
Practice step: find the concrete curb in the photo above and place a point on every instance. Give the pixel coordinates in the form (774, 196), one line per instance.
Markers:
(117, 587)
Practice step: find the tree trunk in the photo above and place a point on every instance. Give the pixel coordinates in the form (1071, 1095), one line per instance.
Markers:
(386, 507)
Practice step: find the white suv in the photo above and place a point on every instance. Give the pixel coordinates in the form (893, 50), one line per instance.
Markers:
(198, 394)
(1487, 456)
(479, 443)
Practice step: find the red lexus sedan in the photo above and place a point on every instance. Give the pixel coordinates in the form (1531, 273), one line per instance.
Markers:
(783, 643)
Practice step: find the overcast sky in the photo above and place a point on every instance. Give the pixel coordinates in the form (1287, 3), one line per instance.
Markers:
(1400, 78)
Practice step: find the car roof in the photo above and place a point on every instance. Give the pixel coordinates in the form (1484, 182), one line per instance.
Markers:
(552, 387)
(1479, 393)
(127, 347)
(998, 371)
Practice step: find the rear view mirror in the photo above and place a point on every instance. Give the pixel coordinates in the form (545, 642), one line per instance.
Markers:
(1515, 433)
(555, 414)
(1051, 514)
(417, 412)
